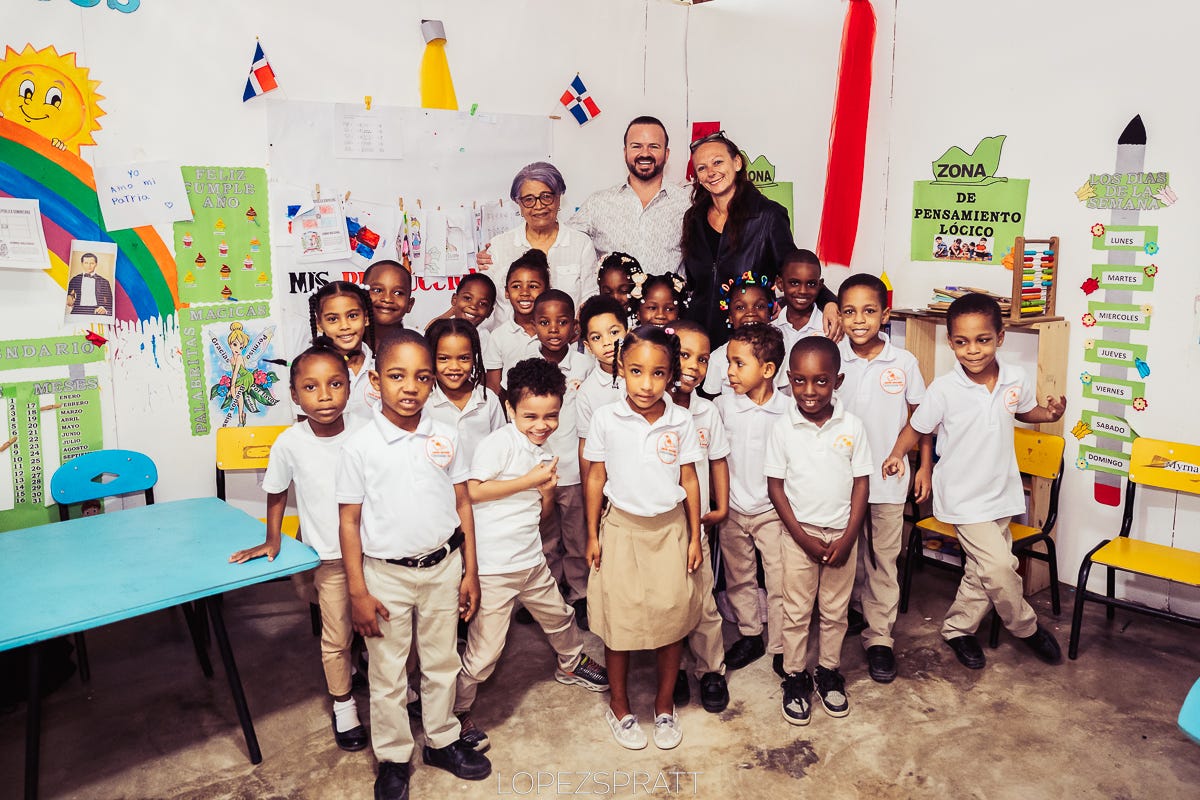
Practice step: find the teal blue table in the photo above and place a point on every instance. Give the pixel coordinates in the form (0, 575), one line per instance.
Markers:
(72, 576)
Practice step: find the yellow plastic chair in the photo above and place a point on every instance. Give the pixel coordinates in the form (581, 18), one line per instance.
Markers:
(1162, 465)
(1039, 455)
(240, 449)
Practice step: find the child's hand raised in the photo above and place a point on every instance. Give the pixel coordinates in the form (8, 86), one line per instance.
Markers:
(364, 613)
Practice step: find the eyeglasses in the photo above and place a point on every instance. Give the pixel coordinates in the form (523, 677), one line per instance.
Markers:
(531, 200)
(719, 136)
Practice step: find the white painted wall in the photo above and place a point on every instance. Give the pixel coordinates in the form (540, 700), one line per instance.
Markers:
(1059, 79)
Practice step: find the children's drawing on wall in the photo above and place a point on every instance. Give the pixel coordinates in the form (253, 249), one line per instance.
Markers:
(244, 387)
(230, 361)
(967, 212)
(224, 252)
(93, 269)
(51, 95)
(319, 230)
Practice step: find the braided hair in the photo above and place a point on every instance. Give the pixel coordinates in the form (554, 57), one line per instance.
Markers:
(321, 346)
(453, 326)
(677, 285)
(659, 337)
(317, 299)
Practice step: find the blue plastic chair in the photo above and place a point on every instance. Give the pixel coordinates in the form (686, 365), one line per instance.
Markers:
(112, 473)
(1189, 715)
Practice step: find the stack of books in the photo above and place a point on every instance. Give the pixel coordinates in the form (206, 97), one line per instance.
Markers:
(943, 297)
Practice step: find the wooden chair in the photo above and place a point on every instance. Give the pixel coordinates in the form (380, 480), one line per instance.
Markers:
(250, 449)
(113, 473)
(1158, 464)
(1039, 455)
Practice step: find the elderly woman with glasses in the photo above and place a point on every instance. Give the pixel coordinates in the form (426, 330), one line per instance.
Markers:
(537, 190)
(729, 229)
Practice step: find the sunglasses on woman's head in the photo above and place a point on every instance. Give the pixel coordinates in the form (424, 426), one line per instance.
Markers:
(719, 136)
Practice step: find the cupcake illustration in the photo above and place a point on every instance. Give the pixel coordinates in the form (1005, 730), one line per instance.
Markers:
(189, 279)
(219, 227)
(252, 215)
(187, 240)
(201, 261)
(223, 249)
(255, 244)
(226, 292)
(248, 262)
(225, 272)
(262, 279)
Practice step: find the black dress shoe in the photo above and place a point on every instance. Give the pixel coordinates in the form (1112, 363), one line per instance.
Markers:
(1044, 645)
(392, 783)
(777, 665)
(580, 607)
(714, 692)
(460, 760)
(881, 663)
(968, 651)
(856, 622)
(352, 740)
(744, 651)
(683, 693)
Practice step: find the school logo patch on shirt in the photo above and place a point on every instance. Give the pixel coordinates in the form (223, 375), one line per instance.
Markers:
(574, 384)
(702, 433)
(439, 450)
(891, 380)
(1012, 398)
(843, 444)
(370, 392)
(668, 447)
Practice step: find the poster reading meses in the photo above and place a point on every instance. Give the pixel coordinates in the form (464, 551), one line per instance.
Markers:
(967, 212)
(224, 253)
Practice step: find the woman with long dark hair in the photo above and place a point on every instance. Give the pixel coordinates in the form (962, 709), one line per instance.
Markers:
(729, 229)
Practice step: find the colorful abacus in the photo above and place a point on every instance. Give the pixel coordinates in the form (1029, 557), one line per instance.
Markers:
(1034, 283)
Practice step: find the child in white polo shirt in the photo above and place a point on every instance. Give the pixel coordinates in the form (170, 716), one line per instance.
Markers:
(817, 467)
(408, 546)
(976, 484)
(460, 398)
(800, 283)
(706, 642)
(882, 386)
(747, 299)
(749, 413)
(602, 324)
(511, 340)
(512, 487)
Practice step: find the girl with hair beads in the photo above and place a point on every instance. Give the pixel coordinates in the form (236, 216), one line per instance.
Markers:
(460, 398)
(516, 338)
(659, 300)
(617, 278)
(342, 311)
(305, 456)
(645, 548)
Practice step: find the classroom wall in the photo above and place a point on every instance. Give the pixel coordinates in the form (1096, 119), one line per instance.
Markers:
(1059, 83)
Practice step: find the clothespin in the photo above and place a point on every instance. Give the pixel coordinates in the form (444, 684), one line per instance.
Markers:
(367, 102)
(346, 199)
(316, 192)
(401, 203)
(418, 204)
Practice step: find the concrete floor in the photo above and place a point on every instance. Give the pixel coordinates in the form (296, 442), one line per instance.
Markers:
(150, 725)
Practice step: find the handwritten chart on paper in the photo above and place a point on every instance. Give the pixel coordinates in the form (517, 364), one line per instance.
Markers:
(358, 133)
(149, 193)
(22, 239)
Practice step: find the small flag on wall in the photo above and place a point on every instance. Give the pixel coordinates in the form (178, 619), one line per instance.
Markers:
(262, 77)
(579, 102)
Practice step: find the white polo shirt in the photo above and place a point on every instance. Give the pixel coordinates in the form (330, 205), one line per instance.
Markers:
(713, 441)
(308, 461)
(480, 416)
(818, 465)
(976, 477)
(643, 460)
(716, 381)
(748, 426)
(879, 392)
(507, 344)
(564, 442)
(597, 390)
(364, 399)
(405, 482)
(572, 267)
(507, 537)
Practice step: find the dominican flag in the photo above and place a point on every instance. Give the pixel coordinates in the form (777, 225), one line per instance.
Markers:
(579, 102)
(262, 77)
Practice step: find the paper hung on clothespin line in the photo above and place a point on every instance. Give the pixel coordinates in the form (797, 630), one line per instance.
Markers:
(460, 241)
(435, 244)
(497, 217)
(320, 232)
(415, 237)
(371, 227)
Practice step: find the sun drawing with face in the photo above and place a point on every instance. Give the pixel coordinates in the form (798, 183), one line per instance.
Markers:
(50, 95)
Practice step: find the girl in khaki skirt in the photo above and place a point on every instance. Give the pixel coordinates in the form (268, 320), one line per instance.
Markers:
(644, 549)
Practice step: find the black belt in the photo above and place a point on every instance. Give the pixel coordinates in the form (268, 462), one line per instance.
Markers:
(434, 558)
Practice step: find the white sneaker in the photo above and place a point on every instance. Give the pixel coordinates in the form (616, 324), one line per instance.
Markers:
(668, 733)
(626, 731)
